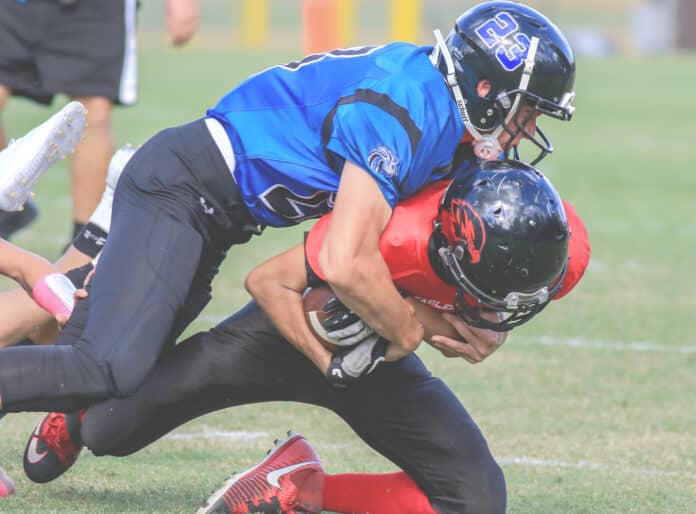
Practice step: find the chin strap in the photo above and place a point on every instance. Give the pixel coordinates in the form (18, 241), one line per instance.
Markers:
(486, 146)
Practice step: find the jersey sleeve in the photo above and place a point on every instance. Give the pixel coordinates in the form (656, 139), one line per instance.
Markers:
(578, 251)
(374, 134)
(313, 241)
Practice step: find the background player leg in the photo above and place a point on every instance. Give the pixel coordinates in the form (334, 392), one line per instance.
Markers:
(90, 161)
(4, 96)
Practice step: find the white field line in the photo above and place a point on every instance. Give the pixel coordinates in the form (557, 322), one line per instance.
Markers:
(237, 435)
(582, 464)
(623, 346)
(212, 433)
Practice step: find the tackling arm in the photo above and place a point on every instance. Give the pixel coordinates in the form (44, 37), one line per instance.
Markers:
(354, 268)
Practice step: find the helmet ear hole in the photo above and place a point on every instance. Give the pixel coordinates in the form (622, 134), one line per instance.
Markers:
(484, 88)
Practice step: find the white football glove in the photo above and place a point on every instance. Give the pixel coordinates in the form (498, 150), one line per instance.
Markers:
(348, 365)
(345, 327)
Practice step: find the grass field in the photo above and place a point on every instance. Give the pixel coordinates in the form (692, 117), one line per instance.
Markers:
(590, 408)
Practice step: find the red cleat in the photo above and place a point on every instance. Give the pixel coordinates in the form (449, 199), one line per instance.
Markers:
(290, 480)
(52, 448)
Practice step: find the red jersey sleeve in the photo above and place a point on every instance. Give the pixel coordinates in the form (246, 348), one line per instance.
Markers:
(578, 251)
(313, 243)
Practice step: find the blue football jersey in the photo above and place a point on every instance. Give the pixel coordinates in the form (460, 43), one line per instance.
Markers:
(293, 126)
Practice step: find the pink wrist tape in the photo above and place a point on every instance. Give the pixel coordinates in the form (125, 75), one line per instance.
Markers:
(55, 293)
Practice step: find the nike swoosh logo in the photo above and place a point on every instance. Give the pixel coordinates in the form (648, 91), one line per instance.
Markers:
(274, 476)
(33, 456)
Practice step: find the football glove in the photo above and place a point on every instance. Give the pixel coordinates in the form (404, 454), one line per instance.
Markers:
(348, 365)
(345, 327)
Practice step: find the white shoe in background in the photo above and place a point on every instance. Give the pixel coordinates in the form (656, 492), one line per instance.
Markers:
(27, 158)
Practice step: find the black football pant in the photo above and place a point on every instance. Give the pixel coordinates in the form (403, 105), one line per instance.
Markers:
(400, 410)
(176, 212)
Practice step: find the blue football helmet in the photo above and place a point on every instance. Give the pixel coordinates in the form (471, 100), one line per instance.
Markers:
(525, 57)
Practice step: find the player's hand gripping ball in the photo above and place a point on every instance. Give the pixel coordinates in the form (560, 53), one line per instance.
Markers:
(356, 349)
(315, 302)
(333, 323)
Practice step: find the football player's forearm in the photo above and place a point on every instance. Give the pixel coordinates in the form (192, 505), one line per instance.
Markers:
(434, 324)
(277, 287)
(24, 267)
(284, 308)
(21, 317)
(351, 262)
(368, 291)
(71, 259)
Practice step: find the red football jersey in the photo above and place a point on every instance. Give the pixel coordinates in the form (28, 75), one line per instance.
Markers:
(404, 246)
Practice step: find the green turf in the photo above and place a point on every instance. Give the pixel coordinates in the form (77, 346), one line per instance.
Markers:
(578, 429)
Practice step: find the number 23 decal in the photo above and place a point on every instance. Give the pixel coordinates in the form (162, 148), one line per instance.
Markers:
(501, 33)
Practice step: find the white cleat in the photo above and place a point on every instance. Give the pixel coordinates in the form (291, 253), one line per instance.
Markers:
(102, 214)
(27, 158)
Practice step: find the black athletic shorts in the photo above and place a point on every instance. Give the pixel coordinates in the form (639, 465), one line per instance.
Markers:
(79, 48)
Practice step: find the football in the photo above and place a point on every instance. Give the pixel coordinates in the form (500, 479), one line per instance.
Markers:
(313, 301)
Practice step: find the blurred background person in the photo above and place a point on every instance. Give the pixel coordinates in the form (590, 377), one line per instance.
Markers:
(86, 50)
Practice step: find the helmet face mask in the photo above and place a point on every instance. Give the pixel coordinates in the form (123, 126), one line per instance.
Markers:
(523, 56)
(502, 240)
(515, 309)
(518, 125)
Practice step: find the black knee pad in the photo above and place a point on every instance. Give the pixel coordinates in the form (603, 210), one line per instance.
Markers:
(480, 489)
(104, 428)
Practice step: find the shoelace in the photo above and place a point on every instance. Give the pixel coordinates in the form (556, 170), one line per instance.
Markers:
(56, 436)
(256, 488)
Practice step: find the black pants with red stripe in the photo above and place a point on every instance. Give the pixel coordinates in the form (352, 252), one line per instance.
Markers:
(400, 410)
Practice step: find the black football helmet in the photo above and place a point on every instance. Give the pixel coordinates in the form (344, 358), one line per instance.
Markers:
(525, 57)
(501, 236)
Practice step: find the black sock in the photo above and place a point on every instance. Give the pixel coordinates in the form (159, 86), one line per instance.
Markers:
(77, 228)
(90, 240)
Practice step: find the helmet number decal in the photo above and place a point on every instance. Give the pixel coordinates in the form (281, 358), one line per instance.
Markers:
(502, 33)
